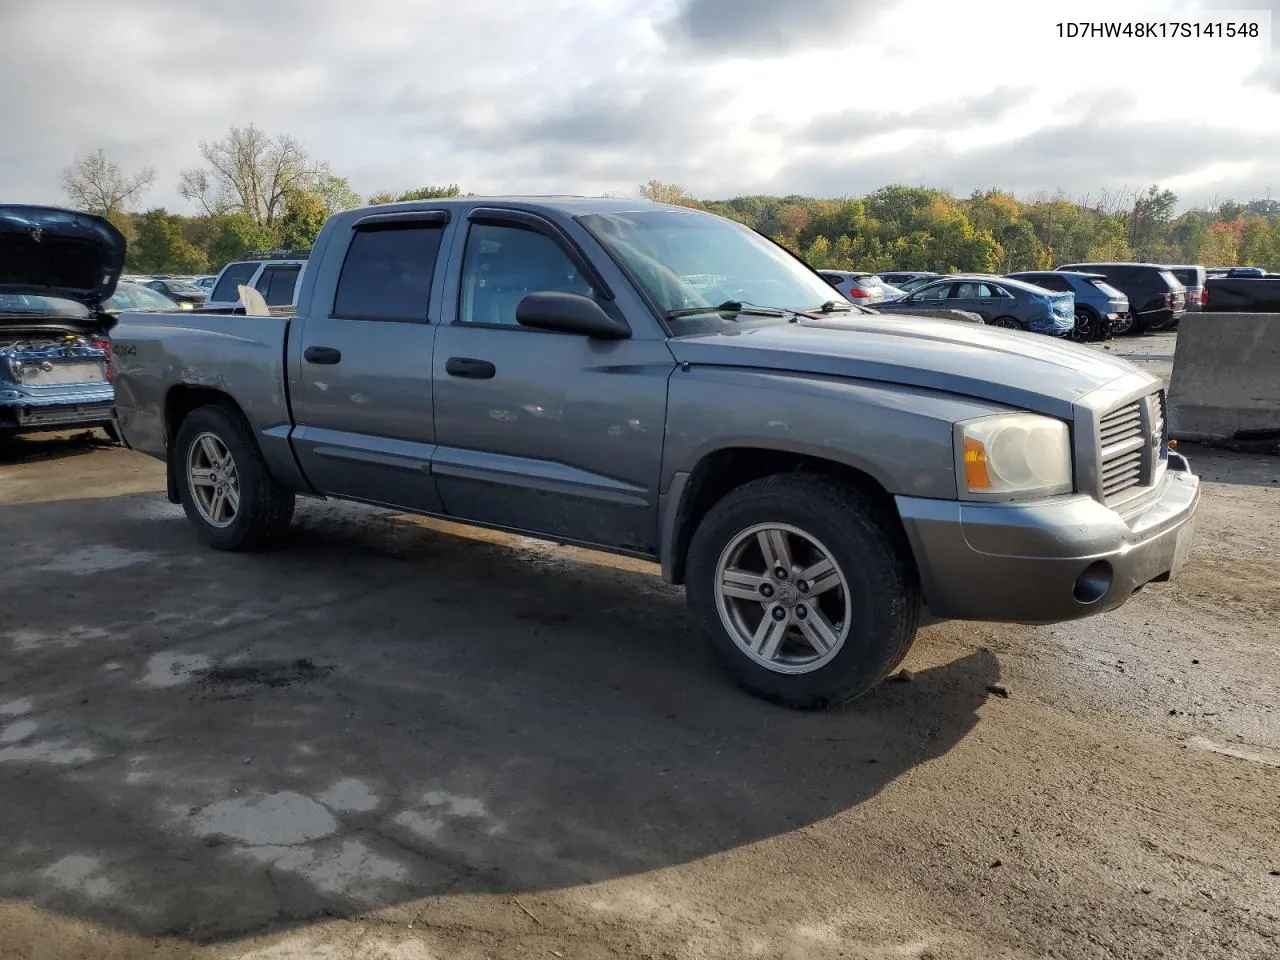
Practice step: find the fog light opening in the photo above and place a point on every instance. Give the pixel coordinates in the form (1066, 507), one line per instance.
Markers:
(1092, 585)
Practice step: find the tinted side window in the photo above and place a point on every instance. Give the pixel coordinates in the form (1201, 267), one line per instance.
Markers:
(232, 277)
(387, 273)
(279, 289)
(937, 292)
(503, 264)
(1050, 282)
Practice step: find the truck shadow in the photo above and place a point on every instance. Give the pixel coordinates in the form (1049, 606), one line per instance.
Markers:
(29, 448)
(198, 745)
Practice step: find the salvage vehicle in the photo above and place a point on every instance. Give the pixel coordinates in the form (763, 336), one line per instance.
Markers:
(57, 267)
(1100, 307)
(816, 475)
(999, 301)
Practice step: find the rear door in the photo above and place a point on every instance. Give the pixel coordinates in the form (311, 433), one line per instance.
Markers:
(360, 370)
(980, 298)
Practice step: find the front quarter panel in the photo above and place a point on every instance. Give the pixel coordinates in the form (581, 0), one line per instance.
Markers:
(899, 436)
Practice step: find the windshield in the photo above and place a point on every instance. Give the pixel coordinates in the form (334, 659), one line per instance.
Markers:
(25, 303)
(912, 285)
(1189, 278)
(132, 296)
(182, 286)
(1107, 288)
(687, 259)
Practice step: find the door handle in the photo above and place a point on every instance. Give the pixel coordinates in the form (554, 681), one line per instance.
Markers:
(322, 355)
(470, 368)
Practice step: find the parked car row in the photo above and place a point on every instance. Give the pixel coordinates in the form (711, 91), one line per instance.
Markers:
(1109, 299)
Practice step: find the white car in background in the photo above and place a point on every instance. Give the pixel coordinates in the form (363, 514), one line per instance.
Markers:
(864, 289)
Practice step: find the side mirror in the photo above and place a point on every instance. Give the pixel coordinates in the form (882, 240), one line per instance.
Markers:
(569, 313)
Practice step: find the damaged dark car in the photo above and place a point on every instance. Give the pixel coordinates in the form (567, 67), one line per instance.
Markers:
(57, 268)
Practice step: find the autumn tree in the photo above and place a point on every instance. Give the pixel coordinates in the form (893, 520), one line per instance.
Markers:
(252, 173)
(97, 184)
(660, 192)
(1221, 244)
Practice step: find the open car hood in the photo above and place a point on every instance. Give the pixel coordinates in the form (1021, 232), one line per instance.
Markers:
(51, 252)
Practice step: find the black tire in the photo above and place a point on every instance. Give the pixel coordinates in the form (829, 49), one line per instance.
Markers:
(1007, 323)
(265, 507)
(871, 553)
(1088, 328)
(1129, 327)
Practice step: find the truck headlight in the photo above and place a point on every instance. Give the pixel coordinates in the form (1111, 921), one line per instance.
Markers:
(1013, 454)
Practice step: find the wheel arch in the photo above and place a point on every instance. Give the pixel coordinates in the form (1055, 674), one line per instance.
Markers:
(179, 402)
(720, 471)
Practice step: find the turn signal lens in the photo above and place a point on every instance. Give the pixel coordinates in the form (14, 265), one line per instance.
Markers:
(975, 465)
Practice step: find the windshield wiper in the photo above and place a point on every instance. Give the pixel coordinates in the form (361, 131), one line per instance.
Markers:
(836, 306)
(736, 307)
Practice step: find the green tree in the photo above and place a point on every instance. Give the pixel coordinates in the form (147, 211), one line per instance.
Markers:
(336, 194)
(818, 254)
(1258, 243)
(421, 193)
(160, 247)
(234, 235)
(1149, 222)
(304, 214)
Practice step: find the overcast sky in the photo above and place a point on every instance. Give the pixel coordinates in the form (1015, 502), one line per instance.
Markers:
(819, 97)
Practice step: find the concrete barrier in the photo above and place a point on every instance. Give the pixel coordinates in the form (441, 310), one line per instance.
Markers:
(1226, 377)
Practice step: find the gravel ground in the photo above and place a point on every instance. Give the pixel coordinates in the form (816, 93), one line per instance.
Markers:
(396, 738)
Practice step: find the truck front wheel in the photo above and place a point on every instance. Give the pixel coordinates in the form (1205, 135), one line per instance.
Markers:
(804, 588)
(226, 489)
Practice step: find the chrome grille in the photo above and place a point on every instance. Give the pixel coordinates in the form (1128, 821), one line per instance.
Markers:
(1131, 442)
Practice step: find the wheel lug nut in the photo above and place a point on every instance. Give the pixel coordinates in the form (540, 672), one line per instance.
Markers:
(766, 590)
(780, 573)
(801, 612)
(802, 586)
(779, 613)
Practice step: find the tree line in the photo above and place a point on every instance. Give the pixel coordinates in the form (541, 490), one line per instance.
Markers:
(256, 191)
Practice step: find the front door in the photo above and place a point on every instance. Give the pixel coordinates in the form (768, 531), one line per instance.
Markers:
(360, 380)
(553, 434)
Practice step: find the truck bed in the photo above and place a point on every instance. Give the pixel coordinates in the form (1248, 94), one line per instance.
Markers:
(162, 359)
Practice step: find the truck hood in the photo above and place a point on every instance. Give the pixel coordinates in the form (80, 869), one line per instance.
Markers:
(51, 252)
(1024, 370)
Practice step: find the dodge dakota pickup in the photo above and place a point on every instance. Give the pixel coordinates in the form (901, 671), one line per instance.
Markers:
(664, 383)
(57, 268)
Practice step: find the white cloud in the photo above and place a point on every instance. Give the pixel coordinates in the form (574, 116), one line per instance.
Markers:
(594, 96)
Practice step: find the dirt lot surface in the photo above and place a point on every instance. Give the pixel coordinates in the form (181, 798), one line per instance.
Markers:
(395, 738)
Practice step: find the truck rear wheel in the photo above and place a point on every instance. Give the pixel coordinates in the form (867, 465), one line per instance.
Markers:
(804, 589)
(225, 487)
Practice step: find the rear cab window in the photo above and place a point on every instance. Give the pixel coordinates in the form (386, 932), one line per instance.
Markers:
(388, 271)
(225, 290)
(276, 284)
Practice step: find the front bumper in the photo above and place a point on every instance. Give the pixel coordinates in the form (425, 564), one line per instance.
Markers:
(1048, 562)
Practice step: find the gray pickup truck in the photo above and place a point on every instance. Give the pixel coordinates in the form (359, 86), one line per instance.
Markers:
(663, 383)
